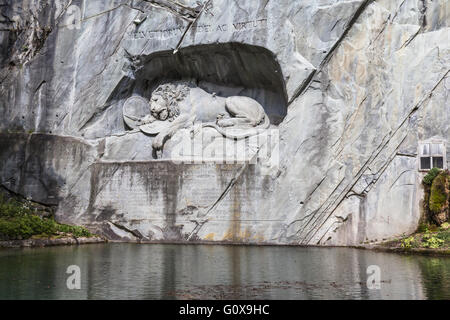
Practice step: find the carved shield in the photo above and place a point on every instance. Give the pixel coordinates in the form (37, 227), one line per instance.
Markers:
(134, 109)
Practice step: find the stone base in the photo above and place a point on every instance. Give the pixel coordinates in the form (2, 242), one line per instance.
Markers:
(163, 201)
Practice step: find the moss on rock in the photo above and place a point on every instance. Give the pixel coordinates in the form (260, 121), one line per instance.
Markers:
(439, 197)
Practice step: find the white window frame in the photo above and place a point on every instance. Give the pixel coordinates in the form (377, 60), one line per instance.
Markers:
(431, 155)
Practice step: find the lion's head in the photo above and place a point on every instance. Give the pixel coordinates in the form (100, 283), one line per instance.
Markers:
(165, 99)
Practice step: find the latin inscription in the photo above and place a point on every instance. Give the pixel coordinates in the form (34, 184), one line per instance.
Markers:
(164, 34)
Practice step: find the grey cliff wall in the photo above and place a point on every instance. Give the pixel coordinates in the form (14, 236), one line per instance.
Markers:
(350, 88)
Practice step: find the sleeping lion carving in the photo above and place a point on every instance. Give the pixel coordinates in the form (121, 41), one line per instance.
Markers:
(174, 106)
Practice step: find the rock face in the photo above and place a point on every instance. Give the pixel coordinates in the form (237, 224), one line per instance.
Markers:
(349, 87)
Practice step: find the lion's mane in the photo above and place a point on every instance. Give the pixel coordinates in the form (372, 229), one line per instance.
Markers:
(173, 94)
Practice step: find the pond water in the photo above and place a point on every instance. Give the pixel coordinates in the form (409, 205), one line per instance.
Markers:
(133, 271)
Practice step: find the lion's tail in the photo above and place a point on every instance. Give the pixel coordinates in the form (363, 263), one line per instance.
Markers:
(247, 133)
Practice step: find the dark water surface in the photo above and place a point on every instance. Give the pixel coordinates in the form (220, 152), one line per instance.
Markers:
(132, 271)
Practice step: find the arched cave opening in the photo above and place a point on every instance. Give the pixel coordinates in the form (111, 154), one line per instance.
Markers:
(224, 69)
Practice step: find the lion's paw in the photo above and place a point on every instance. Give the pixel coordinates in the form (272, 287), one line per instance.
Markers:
(158, 143)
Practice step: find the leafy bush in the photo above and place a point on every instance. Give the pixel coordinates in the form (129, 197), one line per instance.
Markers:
(444, 235)
(26, 226)
(75, 230)
(433, 173)
(17, 221)
(409, 242)
(12, 208)
(432, 242)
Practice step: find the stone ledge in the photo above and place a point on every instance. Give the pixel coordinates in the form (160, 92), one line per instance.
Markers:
(421, 251)
(49, 242)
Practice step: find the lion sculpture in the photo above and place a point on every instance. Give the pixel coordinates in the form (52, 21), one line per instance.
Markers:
(174, 106)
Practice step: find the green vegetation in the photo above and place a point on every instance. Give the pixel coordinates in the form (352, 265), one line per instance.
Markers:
(19, 221)
(428, 179)
(409, 242)
(439, 192)
(436, 197)
(423, 227)
(431, 241)
(444, 233)
(430, 236)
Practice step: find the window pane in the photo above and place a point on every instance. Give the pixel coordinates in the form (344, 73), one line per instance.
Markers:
(438, 162)
(425, 150)
(425, 163)
(436, 149)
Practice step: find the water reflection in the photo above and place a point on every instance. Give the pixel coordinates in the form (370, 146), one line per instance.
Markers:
(437, 276)
(130, 271)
